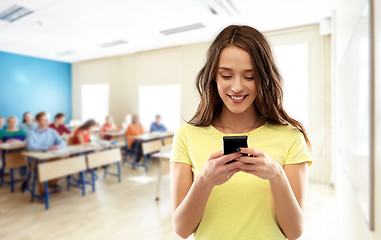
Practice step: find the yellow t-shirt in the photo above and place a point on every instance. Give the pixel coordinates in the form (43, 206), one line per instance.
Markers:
(242, 208)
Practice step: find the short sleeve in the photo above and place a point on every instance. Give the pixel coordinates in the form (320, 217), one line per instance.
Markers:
(298, 152)
(180, 148)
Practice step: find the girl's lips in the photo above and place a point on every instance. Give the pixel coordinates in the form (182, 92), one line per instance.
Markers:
(237, 98)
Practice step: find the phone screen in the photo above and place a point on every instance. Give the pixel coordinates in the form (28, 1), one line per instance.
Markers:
(232, 143)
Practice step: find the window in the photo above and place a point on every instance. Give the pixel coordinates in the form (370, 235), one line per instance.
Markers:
(163, 100)
(292, 62)
(95, 102)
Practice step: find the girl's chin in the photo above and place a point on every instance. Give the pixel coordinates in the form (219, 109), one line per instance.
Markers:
(238, 110)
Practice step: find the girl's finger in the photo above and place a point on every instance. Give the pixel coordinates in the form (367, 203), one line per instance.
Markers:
(215, 155)
(232, 166)
(252, 151)
(227, 158)
(249, 160)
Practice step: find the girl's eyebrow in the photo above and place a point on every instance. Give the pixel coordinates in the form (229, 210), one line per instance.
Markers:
(225, 68)
(229, 69)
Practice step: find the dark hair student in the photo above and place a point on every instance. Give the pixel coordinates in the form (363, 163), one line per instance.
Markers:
(59, 115)
(257, 192)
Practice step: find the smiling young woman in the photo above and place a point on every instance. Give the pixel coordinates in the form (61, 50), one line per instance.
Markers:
(259, 196)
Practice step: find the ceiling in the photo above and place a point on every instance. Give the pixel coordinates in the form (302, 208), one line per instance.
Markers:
(74, 30)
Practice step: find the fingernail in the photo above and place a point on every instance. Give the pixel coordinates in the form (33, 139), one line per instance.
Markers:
(238, 150)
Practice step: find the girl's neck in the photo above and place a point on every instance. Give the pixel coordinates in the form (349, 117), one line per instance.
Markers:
(11, 129)
(232, 123)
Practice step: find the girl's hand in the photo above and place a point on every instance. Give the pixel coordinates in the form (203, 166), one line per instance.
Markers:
(12, 140)
(215, 170)
(259, 164)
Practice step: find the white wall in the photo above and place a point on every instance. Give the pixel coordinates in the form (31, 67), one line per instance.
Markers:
(124, 74)
(351, 220)
(319, 94)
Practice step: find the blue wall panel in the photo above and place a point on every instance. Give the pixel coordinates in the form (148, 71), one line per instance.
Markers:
(34, 84)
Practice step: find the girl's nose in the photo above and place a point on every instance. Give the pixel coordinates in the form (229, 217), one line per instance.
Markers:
(237, 86)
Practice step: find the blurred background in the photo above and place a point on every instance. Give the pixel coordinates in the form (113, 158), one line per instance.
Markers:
(94, 58)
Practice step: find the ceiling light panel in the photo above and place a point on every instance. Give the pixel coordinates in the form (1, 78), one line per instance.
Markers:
(112, 43)
(182, 29)
(14, 13)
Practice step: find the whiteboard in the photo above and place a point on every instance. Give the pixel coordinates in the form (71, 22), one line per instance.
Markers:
(355, 113)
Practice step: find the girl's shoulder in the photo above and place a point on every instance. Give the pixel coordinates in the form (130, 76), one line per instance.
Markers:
(287, 128)
(191, 131)
(284, 131)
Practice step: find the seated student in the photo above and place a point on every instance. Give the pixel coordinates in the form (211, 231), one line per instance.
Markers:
(59, 124)
(2, 124)
(109, 126)
(157, 126)
(133, 130)
(28, 122)
(82, 134)
(43, 138)
(13, 134)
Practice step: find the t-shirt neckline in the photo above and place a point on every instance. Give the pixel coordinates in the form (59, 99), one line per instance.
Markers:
(238, 134)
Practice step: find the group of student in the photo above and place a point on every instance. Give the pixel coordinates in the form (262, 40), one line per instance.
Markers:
(40, 135)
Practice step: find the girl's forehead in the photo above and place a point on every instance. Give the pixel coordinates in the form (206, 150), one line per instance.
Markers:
(234, 58)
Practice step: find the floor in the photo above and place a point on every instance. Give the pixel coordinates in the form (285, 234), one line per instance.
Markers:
(126, 210)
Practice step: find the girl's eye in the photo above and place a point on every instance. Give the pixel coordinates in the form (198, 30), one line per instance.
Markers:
(226, 76)
(249, 78)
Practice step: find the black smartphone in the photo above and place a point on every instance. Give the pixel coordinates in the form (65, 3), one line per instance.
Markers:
(232, 143)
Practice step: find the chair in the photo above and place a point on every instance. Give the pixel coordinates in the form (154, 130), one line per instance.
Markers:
(167, 141)
(150, 147)
(127, 152)
(60, 168)
(12, 161)
(103, 158)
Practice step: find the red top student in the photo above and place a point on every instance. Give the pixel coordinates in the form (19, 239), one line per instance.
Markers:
(82, 134)
(59, 125)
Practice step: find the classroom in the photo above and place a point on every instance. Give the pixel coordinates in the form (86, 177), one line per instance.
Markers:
(204, 119)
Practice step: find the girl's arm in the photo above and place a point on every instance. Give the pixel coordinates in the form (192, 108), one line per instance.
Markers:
(189, 197)
(288, 187)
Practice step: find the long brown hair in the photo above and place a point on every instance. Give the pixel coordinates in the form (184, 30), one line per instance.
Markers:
(86, 125)
(268, 102)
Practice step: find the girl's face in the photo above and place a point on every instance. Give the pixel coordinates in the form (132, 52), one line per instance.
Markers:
(12, 122)
(28, 118)
(235, 79)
